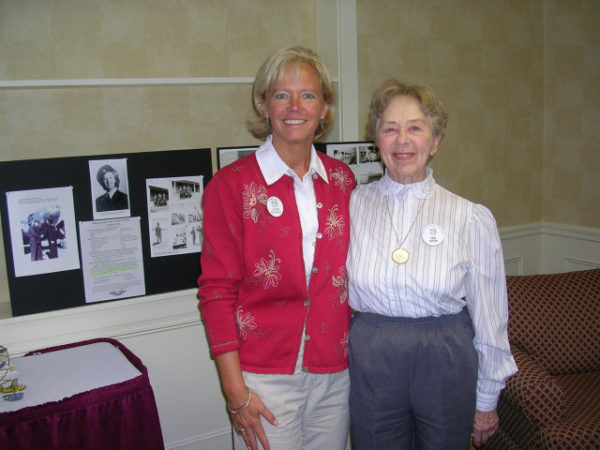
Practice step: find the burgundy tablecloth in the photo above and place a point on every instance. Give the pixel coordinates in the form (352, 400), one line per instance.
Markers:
(116, 417)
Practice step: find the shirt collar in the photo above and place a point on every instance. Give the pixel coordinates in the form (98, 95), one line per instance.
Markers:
(273, 167)
(421, 189)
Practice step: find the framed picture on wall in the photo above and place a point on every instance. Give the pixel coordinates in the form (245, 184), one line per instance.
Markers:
(227, 155)
(361, 156)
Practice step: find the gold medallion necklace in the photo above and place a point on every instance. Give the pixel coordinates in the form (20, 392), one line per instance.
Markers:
(401, 255)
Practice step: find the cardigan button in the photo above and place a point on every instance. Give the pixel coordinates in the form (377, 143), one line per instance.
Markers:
(307, 337)
(319, 205)
(319, 235)
(315, 270)
(307, 303)
(315, 176)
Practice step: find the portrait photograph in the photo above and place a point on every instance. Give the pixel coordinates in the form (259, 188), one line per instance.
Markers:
(110, 188)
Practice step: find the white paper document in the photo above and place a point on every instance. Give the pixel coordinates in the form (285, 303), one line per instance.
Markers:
(111, 255)
(54, 376)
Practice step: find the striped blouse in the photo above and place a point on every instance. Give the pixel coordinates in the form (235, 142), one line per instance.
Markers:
(455, 260)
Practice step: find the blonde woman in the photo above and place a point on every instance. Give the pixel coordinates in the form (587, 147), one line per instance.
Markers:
(273, 288)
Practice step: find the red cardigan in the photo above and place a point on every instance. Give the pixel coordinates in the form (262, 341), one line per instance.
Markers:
(252, 290)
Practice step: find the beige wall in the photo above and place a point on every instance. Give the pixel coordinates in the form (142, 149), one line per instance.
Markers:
(86, 39)
(520, 79)
(572, 106)
(485, 61)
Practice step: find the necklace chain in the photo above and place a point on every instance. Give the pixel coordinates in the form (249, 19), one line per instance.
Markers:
(387, 204)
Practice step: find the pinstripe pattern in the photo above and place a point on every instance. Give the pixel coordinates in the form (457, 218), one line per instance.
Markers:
(466, 269)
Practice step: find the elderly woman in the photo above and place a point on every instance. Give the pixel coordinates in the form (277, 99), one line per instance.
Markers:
(273, 289)
(113, 199)
(429, 351)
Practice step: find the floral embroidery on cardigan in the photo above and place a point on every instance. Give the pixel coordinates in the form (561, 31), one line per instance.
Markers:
(340, 281)
(268, 271)
(255, 200)
(344, 343)
(341, 178)
(245, 322)
(334, 225)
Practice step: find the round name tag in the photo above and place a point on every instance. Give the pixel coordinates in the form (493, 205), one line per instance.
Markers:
(433, 235)
(274, 206)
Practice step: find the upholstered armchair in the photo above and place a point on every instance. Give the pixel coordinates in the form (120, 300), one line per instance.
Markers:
(553, 402)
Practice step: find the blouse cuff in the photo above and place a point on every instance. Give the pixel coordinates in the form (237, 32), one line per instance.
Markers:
(486, 402)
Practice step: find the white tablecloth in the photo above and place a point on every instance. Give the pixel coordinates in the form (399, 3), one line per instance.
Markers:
(54, 376)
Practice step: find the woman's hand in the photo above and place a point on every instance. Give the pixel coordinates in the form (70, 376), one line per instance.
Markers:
(245, 407)
(484, 426)
(246, 422)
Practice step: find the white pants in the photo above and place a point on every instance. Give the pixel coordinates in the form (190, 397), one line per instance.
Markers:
(312, 410)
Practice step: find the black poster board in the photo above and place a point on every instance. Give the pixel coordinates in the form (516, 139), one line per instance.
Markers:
(65, 289)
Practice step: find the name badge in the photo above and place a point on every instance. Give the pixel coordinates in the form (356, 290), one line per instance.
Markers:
(274, 206)
(433, 235)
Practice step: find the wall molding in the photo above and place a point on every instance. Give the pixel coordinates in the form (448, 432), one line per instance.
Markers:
(118, 319)
(573, 264)
(203, 440)
(122, 82)
(514, 266)
(570, 231)
(549, 247)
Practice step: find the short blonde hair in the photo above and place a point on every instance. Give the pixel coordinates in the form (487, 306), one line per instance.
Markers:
(272, 71)
(430, 105)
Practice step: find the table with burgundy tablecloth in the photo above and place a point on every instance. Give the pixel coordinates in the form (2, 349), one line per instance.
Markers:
(90, 395)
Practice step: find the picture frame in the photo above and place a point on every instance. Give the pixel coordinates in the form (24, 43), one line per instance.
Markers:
(227, 155)
(362, 157)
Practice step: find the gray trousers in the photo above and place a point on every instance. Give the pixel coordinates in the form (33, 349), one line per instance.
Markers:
(412, 382)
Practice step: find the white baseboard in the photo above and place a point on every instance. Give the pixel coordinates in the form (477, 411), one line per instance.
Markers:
(522, 249)
(218, 439)
(118, 319)
(550, 248)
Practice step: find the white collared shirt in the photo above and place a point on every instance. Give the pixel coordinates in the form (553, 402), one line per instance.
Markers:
(461, 265)
(273, 168)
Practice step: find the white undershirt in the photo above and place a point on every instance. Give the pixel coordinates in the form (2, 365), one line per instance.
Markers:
(273, 168)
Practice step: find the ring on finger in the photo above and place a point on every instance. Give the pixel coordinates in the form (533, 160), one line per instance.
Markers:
(241, 430)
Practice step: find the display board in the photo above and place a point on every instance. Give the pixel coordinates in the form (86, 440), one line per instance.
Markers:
(46, 276)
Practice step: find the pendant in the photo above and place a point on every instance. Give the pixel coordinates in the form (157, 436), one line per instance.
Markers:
(400, 255)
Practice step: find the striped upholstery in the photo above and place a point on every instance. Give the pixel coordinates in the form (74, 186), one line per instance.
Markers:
(553, 402)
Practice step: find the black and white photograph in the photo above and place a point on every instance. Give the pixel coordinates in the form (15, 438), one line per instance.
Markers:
(175, 215)
(227, 155)
(42, 231)
(158, 198)
(110, 189)
(362, 157)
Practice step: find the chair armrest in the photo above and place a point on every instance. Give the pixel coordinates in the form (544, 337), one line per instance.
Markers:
(535, 390)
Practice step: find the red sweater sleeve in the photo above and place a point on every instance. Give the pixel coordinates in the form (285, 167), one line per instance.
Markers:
(221, 262)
